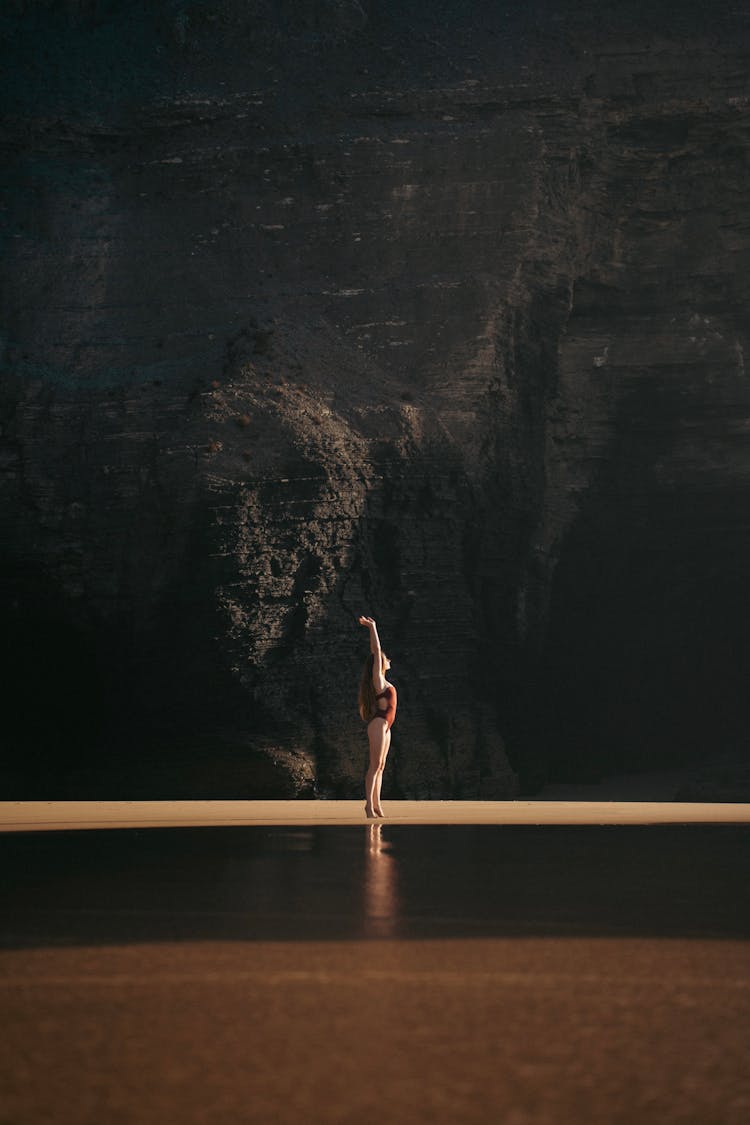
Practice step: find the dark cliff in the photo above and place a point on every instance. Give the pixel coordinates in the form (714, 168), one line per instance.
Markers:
(432, 311)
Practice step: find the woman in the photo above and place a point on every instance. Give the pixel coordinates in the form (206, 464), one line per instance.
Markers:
(377, 706)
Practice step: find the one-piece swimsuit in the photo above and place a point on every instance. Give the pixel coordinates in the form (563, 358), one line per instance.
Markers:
(389, 714)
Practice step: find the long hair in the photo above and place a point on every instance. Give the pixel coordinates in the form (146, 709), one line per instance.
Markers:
(366, 701)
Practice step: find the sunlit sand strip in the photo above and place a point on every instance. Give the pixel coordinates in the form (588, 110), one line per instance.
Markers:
(36, 816)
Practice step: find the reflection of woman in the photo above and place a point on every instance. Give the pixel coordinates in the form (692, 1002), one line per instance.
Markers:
(377, 706)
(380, 885)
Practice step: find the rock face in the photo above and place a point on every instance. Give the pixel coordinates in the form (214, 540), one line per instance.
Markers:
(324, 308)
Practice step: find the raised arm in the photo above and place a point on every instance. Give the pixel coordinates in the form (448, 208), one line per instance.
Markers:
(378, 678)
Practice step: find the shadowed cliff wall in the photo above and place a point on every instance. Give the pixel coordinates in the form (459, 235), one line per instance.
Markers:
(315, 309)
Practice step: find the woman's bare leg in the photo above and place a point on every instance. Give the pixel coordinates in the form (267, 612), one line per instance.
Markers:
(379, 777)
(377, 734)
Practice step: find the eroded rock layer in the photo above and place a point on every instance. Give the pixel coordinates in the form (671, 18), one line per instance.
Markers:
(327, 308)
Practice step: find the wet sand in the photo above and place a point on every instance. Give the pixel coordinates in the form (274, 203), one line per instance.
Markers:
(55, 815)
(520, 973)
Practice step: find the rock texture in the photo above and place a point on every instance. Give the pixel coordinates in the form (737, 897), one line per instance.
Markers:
(313, 309)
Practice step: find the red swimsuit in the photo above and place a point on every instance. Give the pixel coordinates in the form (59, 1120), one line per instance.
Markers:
(389, 714)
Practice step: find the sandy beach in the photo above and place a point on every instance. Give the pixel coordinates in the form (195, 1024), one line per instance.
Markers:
(243, 961)
(25, 816)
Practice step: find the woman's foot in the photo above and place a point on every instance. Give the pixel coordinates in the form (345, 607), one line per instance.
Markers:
(379, 812)
(369, 813)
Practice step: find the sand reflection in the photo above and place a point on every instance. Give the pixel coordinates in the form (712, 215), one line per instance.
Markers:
(381, 885)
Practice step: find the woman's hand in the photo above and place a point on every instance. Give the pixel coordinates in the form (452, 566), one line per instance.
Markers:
(369, 622)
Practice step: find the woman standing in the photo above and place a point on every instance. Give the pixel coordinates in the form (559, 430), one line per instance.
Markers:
(377, 707)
